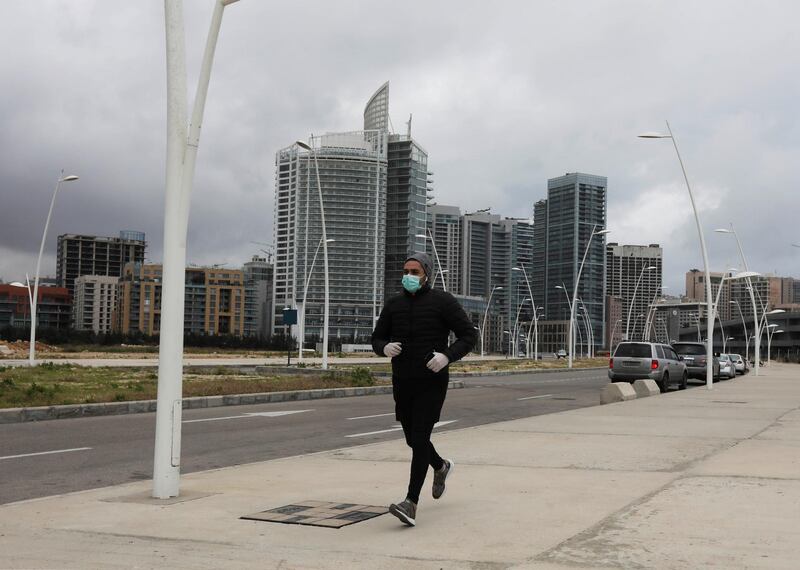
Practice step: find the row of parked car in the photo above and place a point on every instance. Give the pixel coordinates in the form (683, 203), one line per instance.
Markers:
(670, 364)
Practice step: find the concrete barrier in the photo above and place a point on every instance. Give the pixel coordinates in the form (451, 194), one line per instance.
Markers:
(617, 392)
(644, 388)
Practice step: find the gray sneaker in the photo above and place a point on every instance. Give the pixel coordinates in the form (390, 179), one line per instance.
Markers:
(406, 511)
(440, 476)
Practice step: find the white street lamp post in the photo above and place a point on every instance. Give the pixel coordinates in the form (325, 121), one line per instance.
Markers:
(436, 255)
(706, 265)
(577, 283)
(305, 300)
(516, 326)
(570, 333)
(628, 332)
(535, 313)
(326, 310)
(182, 145)
(34, 298)
(744, 326)
(485, 315)
(611, 338)
(756, 328)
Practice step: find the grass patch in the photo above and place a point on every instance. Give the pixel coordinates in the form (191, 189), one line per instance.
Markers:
(56, 384)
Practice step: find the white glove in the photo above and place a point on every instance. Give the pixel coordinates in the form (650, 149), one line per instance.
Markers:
(438, 362)
(392, 349)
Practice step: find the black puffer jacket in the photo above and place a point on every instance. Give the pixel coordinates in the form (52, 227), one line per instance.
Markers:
(422, 323)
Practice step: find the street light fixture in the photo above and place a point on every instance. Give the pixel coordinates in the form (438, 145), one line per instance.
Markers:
(485, 315)
(707, 266)
(756, 324)
(436, 254)
(326, 315)
(34, 298)
(183, 142)
(305, 300)
(535, 314)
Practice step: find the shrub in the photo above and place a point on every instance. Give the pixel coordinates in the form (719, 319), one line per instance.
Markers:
(361, 376)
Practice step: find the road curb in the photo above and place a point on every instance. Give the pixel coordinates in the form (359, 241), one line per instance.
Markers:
(41, 413)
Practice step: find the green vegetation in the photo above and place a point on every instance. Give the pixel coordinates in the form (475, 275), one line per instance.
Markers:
(55, 384)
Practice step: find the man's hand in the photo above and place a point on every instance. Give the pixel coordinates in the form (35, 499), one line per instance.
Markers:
(438, 362)
(392, 349)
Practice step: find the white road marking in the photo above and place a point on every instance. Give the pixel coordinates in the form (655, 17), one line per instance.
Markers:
(250, 415)
(45, 452)
(375, 416)
(534, 397)
(396, 428)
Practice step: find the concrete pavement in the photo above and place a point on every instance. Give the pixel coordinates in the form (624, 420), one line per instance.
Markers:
(687, 479)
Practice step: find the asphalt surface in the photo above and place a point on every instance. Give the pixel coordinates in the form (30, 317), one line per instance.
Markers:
(39, 459)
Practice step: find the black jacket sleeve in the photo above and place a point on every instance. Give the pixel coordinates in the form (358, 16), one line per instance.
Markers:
(458, 322)
(382, 332)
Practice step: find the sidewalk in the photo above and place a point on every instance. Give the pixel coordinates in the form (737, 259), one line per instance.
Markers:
(689, 479)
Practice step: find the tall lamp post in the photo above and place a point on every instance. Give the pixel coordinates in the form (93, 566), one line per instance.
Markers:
(436, 255)
(485, 315)
(34, 299)
(305, 301)
(744, 326)
(182, 145)
(326, 314)
(756, 327)
(628, 332)
(535, 313)
(595, 232)
(706, 265)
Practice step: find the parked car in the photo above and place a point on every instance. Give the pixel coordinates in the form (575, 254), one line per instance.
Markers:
(726, 366)
(738, 363)
(561, 353)
(642, 360)
(694, 356)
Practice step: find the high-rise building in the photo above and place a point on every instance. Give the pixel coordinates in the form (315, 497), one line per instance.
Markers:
(634, 274)
(94, 303)
(406, 190)
(575, 208)
(213, 300)
(95, 255)
(258, 297)
(444, 224)
(352, 173)
(696, 290)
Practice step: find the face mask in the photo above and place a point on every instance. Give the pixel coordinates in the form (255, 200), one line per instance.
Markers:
(411, 283)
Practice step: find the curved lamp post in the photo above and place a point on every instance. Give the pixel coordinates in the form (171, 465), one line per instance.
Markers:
(628, 332)
(305, 300)
(756, 327)
(182, 144)
(485, 315)
(34, 298)
(706, 265)
(326, 315)
(535, 322)
(744, 326)
(595, 232)
(429, 235)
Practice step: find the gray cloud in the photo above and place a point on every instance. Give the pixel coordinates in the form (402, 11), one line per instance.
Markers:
(503, 97)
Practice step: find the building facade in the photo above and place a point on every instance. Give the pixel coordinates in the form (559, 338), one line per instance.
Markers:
(563, 224)
(95, 255)
(94, 303)
(444, 225)
(352, 174)
(53, 307)
(696, 290)
(214, 301)
(258, 308)
(634, 274)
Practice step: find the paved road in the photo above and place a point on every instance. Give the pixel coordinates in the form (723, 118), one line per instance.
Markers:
(44, 458)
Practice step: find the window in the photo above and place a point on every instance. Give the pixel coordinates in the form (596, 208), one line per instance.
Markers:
(634, 350)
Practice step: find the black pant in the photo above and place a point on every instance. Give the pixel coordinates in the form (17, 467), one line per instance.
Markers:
(418, 409)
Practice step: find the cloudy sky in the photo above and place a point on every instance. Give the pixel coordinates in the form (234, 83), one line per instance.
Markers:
(504, 95)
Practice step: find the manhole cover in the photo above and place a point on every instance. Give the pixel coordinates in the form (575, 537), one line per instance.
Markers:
(319, 513)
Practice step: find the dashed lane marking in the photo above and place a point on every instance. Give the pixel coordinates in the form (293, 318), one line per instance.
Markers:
(250, 415)
(45, 453)
(375, 416)
(535, 397)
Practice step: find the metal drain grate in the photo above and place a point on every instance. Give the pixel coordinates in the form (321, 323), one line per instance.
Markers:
(319, 513)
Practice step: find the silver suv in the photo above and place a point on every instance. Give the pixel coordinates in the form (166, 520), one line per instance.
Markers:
(641, 360)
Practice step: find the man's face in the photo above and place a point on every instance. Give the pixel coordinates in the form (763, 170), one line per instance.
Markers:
(414, 267)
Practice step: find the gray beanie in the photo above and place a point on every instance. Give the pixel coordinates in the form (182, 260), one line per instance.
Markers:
(424, 260)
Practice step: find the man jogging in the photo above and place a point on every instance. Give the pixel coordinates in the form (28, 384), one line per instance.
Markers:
(413, 330)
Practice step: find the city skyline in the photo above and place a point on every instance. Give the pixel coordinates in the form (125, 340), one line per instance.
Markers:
(500, 112)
